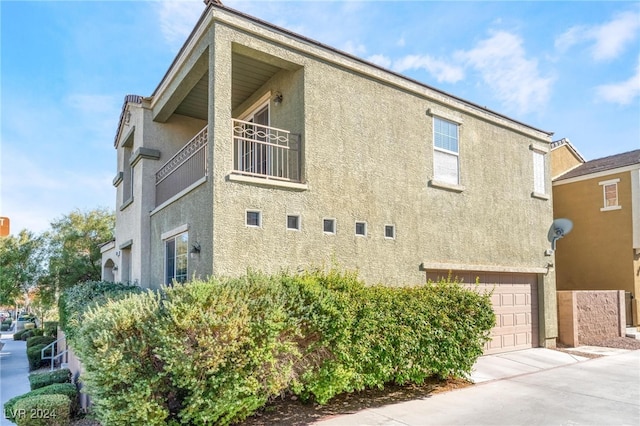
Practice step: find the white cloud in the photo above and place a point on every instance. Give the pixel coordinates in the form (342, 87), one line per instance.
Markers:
(515, 80)
(622, 93)
(608, 40)
(441, 70)
(177, 19)
(356, 49)
(380, 60)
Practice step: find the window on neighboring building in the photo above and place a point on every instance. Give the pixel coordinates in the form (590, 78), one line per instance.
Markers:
(446, 167)
(610, 195)
(329, 226)
(361, 228)
(293, 222)
(389, 231)
(176, 256)
(254, 218)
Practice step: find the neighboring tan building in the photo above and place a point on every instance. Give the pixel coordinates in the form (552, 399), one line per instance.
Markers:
(602, 198)
(263, 149)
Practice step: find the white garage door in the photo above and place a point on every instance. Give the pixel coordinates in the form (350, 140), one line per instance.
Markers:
(515, 304)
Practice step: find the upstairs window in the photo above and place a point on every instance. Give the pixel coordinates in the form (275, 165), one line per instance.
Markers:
(329, 226)
(610, 195)
(446, 165)
(539, 186)
(253, 218)
(293, 222)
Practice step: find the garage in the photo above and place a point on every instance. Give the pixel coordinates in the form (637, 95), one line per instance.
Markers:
(515, 303)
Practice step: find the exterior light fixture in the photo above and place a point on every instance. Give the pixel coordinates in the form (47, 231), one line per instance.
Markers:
(195, 250)
(277, 98)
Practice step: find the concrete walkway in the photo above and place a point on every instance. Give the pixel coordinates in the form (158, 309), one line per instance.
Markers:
(14, 371)
(599, 391)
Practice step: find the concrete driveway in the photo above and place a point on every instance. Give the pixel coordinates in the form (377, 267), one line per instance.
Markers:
(525, 391)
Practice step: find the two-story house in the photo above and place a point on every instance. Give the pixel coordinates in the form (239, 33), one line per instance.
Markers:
(602, 198)
(263, 149)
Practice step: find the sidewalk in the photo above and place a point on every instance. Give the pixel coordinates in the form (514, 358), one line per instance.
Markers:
(14, 372)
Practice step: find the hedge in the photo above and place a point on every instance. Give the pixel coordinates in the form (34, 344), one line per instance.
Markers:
(39, 340)
(23, 334)
(34, 355)
(67, 389)
(215, 351)
(39, 380)
(42, 410)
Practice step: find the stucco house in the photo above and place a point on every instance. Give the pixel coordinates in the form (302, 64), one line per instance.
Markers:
(602, 198)
(263, 149)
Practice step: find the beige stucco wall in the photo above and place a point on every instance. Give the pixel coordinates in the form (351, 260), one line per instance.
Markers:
(368, 157)
(598, 253)
(133, 220)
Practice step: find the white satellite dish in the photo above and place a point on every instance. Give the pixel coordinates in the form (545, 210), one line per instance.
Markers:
(559, 228)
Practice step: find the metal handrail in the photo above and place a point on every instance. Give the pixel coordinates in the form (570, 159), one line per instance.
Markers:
(53, 357)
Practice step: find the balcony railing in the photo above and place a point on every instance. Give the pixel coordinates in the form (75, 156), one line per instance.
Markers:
(265, 152)
(183, 169)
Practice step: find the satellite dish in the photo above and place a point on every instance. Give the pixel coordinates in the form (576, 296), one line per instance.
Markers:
(559, 228)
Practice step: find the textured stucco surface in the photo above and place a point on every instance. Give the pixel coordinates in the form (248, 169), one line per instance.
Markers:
(589, 317)
(367, 155)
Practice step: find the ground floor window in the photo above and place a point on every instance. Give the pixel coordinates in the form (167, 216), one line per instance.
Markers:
(176, 254)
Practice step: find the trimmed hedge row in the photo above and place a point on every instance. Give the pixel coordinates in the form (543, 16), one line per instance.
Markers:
(39, 380)
(216, 351)
(11, 409)
(42, 410)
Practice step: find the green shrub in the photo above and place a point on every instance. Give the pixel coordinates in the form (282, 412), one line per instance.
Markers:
(213, 352)
(75, 301)
(19, 335)
(39, 380)
(67, 389)
(39, 340)
(42, 410)
(34, 355)
(50, 328)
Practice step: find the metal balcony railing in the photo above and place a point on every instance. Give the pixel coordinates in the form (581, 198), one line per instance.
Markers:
(265, 152)
(183, 169)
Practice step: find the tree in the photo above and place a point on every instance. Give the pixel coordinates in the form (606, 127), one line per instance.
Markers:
(73, 246)
(21, 264)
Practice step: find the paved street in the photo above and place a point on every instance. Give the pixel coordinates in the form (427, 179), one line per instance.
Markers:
(14, 371)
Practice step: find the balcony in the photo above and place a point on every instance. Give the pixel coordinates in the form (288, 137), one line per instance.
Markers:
(184, 169)
(265, 152)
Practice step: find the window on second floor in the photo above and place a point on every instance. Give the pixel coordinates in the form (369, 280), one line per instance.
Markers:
(610, 195)
(446, 164)
(539, 186)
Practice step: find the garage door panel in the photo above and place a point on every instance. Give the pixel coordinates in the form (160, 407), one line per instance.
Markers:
(515, 303)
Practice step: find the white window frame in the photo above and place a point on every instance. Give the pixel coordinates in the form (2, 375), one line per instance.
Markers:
(333, 222)
(604, 185)
(360, 222)
(298, 222)
(176, 238)
(393, 231)
(436, 149)
(246, 218)
(539, 165)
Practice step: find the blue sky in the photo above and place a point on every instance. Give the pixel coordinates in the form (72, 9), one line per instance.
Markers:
(572, 68)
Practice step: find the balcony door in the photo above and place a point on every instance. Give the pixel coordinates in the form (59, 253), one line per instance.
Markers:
(255, 152)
